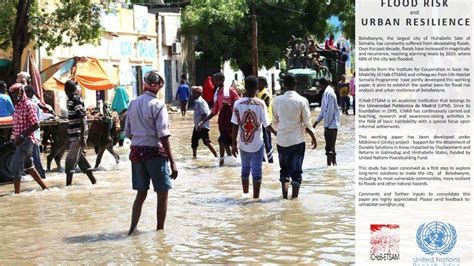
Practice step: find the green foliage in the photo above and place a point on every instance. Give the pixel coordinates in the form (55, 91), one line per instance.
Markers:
(215, 23)
(72, 22)
(7, 22)
(348, 18)
(223, 28)
(166, 2)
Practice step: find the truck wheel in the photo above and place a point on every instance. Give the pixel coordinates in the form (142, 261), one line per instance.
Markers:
(5, 158)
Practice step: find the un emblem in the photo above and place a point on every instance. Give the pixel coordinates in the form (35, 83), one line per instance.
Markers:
(436, 237)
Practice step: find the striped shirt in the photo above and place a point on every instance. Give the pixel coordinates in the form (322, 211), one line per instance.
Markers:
(76, 112)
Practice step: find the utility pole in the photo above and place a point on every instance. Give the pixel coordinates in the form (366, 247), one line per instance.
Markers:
(254, 40)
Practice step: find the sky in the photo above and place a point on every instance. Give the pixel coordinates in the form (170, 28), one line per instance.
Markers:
(334, 20)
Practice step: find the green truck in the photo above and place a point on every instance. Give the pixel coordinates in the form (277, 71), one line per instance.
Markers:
(308, 78)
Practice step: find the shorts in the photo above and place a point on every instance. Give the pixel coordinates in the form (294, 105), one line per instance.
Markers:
(197, 135)
(225, 138)
(22, 159)
(156, 170)
(252, 162)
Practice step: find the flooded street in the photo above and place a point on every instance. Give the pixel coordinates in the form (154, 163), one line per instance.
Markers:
(208, 221)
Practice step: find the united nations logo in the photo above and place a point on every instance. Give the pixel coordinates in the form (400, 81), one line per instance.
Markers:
(436, 237)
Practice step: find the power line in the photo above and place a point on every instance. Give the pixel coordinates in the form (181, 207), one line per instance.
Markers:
(287, 9)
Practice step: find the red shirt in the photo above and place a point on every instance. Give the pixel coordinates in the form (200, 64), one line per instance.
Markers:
(329, 44)
(233, 96)
(208, 90)
(24, 117)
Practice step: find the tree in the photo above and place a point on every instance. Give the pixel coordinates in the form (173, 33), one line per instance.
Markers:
(69, 22)
(347, 16)
(223, 27)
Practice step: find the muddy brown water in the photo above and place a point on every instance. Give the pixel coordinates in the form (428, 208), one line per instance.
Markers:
(209, 221)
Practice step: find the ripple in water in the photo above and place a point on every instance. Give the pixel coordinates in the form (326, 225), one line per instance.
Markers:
(209, 221)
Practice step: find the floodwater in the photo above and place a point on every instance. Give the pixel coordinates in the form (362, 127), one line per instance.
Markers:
(208, 221)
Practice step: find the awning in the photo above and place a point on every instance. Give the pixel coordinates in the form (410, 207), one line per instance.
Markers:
(89, 72)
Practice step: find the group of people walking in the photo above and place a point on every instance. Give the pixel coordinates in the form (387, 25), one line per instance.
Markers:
(26, 111)
(245, 125)
(245, 128)
(254, 117)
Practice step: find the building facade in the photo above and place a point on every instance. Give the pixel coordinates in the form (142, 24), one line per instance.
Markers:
(128, 43)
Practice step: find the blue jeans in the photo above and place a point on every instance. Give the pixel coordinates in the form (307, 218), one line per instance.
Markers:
(37, 161)
(291, 163)
(267, 139)
(22, 159)
(252, 161)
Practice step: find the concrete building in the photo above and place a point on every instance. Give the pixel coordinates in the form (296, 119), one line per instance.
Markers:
(170, 52)
(128, 43)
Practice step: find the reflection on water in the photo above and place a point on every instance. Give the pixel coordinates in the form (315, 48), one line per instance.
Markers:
(208, 219)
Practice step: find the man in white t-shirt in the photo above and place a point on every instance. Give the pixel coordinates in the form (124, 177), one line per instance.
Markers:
(248, 116)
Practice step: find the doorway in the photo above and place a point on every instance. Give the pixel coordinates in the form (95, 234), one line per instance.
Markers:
(168, 82)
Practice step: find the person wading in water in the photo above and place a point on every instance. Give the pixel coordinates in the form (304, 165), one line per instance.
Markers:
(223, 104)
(148, 127)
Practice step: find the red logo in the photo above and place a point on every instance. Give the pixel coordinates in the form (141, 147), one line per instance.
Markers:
(384, 242)
(250, 126)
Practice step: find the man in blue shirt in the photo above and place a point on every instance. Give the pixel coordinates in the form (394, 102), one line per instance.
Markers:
(330, 114)
(183, 96)
(6, 105)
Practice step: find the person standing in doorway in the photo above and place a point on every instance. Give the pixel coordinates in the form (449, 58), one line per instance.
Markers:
(264, 95)
(77, 130)
(25, 123)
(223, 105)
(330, 114)
(291, 118)
(182, 95)
(150, 152)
